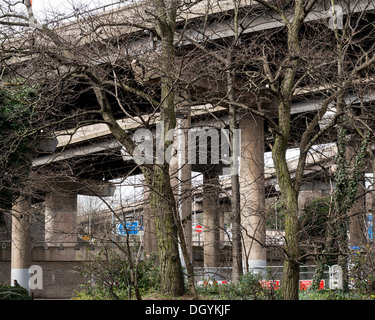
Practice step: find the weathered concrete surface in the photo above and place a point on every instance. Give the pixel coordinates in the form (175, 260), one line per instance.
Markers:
(59, 275)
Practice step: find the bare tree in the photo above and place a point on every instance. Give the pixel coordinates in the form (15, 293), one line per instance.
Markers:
(111, 75)
(133, 63)
(303, 57)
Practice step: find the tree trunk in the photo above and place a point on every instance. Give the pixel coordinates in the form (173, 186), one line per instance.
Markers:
(163, 208)
(290, 280)
(237, 268)
(236, 230)
(288, 190)
(289, 194)
(290, 283)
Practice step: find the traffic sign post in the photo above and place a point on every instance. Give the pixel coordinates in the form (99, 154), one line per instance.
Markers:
(198, 228)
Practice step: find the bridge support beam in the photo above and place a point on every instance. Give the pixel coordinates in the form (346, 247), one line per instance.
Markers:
(21, 242)
(180, 173)
(252, 190)
(186, 191)
(61, 218)
(211, 231)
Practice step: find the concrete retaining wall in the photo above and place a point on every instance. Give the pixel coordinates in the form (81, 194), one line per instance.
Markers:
(59, 274)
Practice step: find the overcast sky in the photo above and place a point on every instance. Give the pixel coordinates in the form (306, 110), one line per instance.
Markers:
(45, 8)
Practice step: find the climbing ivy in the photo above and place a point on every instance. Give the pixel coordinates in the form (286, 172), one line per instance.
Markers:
(346, 179)
(347, 175)
(332, 219)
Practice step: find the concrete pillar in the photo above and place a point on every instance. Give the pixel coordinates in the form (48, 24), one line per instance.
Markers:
(222, 225)
(185, 190)
(180, 172)
(252, 192)
(21, 242)
(211, 223)
(61, 218)
(306, 196)
(150, 244)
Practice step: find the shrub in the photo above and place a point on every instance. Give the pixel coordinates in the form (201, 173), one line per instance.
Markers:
(13, 293)
(111, 278)
(249, 287)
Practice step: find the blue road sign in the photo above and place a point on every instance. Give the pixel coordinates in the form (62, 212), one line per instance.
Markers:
(131, 228)
(369, 226)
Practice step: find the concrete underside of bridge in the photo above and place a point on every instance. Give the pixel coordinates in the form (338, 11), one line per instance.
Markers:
(57, 248)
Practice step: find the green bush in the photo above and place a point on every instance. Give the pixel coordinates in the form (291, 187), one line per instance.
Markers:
(333, 295)
(111, 278)
(13, 293)
(210, 288)
(249, 287)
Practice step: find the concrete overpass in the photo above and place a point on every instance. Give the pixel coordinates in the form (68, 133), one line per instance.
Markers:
(89, 142)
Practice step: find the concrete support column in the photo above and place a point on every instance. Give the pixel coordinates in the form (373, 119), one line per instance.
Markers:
(186, 190)
(222, 225)
(61, 218)
(252, 190)
(306, 196)
(211, 221)
(186, 208)
(21, 242)
(180, 172)
(150, 244)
